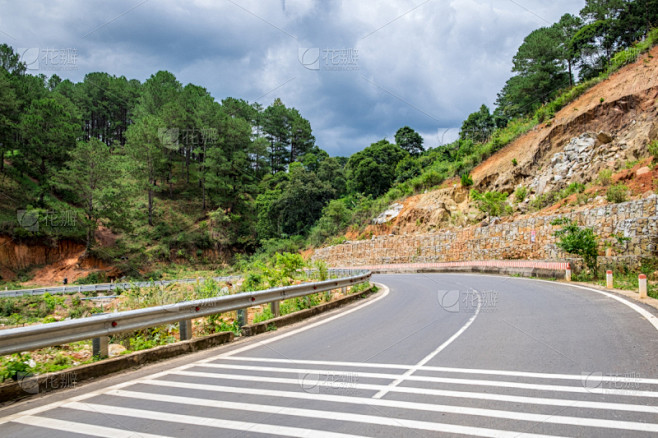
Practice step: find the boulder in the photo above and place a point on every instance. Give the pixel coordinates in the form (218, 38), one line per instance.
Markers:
(604, 137)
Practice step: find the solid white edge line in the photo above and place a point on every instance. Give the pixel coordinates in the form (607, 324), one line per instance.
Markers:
(431, 379)
(651, 318)
(423, 391)
(384, 292)
(387, 421)
(430, 356)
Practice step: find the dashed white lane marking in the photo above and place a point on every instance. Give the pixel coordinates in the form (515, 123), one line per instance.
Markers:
(430, 356)
(439, 392)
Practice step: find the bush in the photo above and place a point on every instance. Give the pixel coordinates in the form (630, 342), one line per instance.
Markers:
(580, 241)
(617, 193)
(466, 180)
(514, 162)
(520, 194)
(491, 203)
(605, 177)
(653, 148)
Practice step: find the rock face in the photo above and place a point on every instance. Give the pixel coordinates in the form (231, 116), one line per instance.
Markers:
(525, 238)
(391, 213)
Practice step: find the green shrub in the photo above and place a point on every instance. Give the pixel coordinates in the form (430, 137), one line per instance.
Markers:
(514, 162)
(466, 180)
(653, 148)
(520, 193)
(574, 187)
(491, 203)
(580, 241)
(617, 193)
(605, 177)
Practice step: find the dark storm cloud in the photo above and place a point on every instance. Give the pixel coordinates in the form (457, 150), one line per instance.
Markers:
(426, 64)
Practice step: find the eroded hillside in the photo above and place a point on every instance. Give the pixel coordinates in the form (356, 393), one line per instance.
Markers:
(608, 127)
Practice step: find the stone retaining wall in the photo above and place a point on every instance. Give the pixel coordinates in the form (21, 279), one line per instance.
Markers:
(637, 220)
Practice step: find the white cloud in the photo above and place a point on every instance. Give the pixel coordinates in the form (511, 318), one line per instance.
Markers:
(422, 64)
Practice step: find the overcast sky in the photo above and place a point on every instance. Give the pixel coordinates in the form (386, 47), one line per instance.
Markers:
(358, 70)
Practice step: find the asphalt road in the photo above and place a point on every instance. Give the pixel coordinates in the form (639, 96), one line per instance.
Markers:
(436, 354)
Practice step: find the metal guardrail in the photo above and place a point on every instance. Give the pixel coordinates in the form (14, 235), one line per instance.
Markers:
(102, 287)
(38, 336)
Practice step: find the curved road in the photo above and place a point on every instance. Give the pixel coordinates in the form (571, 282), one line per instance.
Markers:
(431, 354)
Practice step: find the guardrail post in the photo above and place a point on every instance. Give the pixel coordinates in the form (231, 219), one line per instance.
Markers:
(642, 280)
(242, 317)
(274, 307)
(608, 279)
(185, 329)
(343, 290)
(100, 347)
(567, 275)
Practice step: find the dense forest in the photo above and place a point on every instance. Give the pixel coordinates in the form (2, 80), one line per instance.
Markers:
(173, 172)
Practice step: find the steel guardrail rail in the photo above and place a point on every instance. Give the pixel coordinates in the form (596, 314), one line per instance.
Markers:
(29, 338)
(101, 287)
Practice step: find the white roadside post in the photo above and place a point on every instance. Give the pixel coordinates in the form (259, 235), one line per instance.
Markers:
(608, 279)
(642, 279)
(567, 275)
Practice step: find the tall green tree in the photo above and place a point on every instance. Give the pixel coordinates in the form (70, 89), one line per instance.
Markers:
(49, 130)
(478, 126)
(95, 178)
(372, 170)
(276, 126)
(540, 73)
(147, 156)
(409, 140)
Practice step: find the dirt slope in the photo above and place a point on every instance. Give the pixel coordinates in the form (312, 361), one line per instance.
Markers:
(608, 127)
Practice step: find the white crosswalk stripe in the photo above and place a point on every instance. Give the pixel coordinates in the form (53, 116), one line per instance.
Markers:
(222, 393)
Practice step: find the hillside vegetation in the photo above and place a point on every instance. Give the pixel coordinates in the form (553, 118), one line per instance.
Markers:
(145, 174)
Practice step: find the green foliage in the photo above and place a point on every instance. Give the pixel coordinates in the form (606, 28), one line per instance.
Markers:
(478, 126)
(15, 366)
(520, 193)
(372, 170)
(653, 149)
(617, 193)
(605, 177)
(514, 162)
(492, 203)
(466, 180)
(408, 168)
(409, 140)
(576, 240)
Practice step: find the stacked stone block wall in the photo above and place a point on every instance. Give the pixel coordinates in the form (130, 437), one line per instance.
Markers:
(637, 220)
